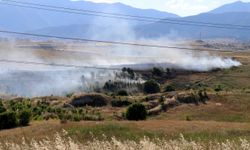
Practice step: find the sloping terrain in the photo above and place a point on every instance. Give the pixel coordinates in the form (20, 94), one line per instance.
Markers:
(26, 19)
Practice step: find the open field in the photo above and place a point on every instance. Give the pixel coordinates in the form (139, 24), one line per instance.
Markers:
(125, 130)
(225, 116)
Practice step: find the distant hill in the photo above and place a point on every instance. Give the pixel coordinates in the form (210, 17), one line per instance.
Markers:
(237, 13)
(25, 19)
(72, 25)
(238, 6)
(183, 31)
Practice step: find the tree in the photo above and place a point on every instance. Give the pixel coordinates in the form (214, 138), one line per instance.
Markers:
(151, 87)
(122, 93)
(24, 117)
(136, 112)
(2, 108)
(169, 88)
(8, 120)
(157, 72)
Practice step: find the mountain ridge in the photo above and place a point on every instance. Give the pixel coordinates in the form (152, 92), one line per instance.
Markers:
(237, 6)
(25, 19)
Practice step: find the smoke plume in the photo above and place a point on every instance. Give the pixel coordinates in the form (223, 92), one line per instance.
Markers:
(39, 80)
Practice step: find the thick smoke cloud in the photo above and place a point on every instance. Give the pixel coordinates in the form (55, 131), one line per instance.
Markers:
(33, 80)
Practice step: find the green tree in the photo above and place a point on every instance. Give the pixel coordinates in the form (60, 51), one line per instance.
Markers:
(151, 87)
(2, 108)
(122, 93)
(8, 120)
(157, 72)
(169, 88)
(136, 112)
(24, 117)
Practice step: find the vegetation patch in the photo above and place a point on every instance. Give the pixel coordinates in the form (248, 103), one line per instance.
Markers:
(193, 97)
(94, 100)
(107, 131)
(120, 103)
(169, 88)
(136, 112)
(122, 93)
(8, 120)
(151, 87)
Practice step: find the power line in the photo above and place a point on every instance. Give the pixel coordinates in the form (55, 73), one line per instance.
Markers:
(79, 13)
(57, 65)
(123, 15)
(107, 42)
(82, 10)
(126, 17)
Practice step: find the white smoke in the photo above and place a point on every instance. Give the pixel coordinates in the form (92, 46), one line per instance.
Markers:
(39, 80)
(123, 30)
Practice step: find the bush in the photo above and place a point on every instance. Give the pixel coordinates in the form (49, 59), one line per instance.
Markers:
(76, 117)
(188, 98)
(157, 72)
(69, 95)
(188, 118)
(195, 98)
(136, 112)
(24, 117)
(218, 88)
(129, 71)
(94, 100)
(120, 103)
(169, 88)
(8, 120)
(2, 108)
(151, 87)
(122, 93)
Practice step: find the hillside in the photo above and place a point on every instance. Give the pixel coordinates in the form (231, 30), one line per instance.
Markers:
(187, 31)
(235, 13)
(238, 6)
(25, 19)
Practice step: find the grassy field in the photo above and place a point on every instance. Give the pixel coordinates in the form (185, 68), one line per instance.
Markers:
(225, 116)
(125, 130)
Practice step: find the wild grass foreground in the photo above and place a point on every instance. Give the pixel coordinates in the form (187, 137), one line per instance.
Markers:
(63, 142)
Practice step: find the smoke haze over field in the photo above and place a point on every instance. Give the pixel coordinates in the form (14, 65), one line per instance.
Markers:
(39, 80)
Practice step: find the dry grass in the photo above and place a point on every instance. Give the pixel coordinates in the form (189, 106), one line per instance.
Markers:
(225, 117)
(125, 130)
(63, 142)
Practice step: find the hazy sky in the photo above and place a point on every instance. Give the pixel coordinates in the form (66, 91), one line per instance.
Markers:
(180, 7)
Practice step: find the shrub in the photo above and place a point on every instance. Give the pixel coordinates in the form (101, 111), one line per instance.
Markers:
(94, 100)
(122, 93)
(2, 108)
(62, 118)
(218, 88)
(8, 120)
(69, 95)
(120, 103)
(188, 118)
(189, 98)
(203, 97)
(169, 88)
(162, 99)
(129, 71)
(76, 117)
(151, 87)
(157, 72)
(136, 112)
(24, 117)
